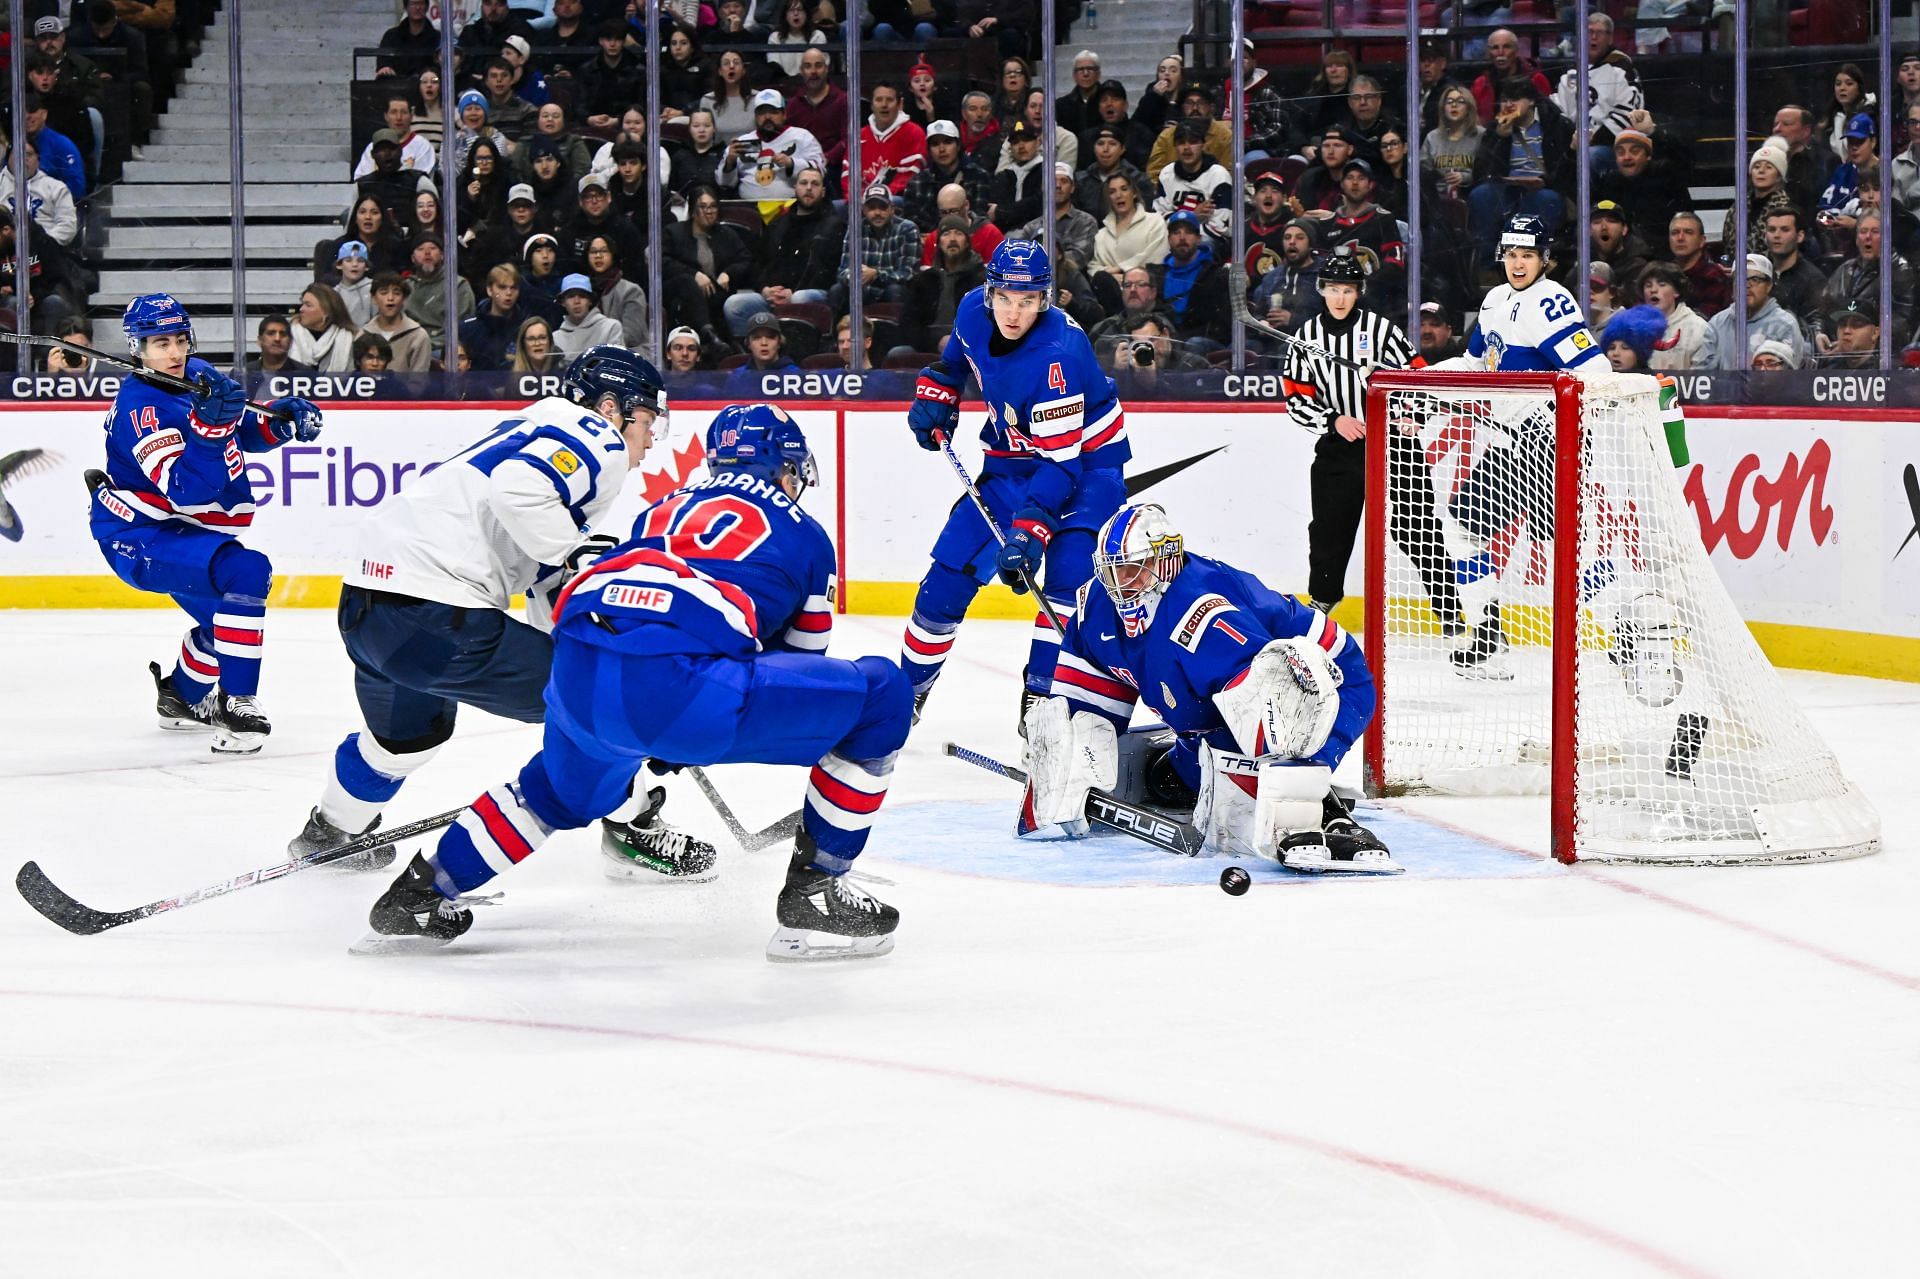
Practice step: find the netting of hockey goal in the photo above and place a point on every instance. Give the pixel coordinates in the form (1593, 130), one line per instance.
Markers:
(1536, 521)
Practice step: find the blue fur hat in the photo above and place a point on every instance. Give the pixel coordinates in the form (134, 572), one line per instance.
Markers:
(1639, 327)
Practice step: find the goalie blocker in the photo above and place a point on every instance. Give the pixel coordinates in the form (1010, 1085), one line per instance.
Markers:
(1264, 695)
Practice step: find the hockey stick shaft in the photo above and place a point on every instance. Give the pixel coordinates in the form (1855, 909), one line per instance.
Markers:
(50, 900)
(1244, 313)
(1115, 814)
(166, 381)
(993, 527)
(752, 841)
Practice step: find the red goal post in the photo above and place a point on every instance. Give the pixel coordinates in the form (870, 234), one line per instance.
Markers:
(1537, 517)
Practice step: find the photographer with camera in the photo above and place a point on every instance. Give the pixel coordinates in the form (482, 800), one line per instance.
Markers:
(1147, 350)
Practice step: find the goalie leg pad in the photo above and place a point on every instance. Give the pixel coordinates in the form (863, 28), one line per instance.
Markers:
(1068, 754)
(1288, 809)
(1285, 702)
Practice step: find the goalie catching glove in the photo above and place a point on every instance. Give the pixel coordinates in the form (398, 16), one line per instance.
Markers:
(1068, 755)
(1285, 702)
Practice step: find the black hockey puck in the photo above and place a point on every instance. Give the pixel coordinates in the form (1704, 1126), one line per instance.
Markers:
(1234, 881)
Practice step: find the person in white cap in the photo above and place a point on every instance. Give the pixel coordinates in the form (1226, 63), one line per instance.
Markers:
(1766, 322)
(946, 162)
(584, 328)
(760, 165)
(1073, 230)
(527, 80)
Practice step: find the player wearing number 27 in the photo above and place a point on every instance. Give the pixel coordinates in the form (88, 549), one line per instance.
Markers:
(168, 512)
(1527, 325)
(700, 640)
(1265, 696)
(1055, 442)
(424, 609)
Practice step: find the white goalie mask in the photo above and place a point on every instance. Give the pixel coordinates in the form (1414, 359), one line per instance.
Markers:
(1136, 557)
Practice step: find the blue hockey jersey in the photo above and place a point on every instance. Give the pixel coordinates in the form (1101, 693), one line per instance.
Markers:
(728, 566)
(160, 470)
(1209, 626)
(1052, 412)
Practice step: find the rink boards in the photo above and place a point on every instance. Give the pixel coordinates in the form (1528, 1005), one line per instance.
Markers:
(1814, 525)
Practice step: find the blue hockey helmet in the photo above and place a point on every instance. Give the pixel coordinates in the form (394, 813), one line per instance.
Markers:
(1021, 266)
(1525, 231)
(153, 315)
(616, 371)
(763, 441)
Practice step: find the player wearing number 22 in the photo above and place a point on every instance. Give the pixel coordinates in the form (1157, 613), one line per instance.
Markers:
(168, 512)
(1527, 325)
(1265, 696)
(1055, 442)
(700, 640)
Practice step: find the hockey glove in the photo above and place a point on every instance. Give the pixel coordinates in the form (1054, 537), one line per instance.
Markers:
(1026, 544)
(935, 408)
(217, 407)
(303, 423)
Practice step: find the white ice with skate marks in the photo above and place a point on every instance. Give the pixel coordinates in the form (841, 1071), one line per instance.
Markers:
(1570, 1072)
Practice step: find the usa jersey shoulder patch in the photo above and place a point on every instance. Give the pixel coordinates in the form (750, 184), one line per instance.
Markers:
(1193, 623)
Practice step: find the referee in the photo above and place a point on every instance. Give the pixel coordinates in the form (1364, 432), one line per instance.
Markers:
(1329, 398)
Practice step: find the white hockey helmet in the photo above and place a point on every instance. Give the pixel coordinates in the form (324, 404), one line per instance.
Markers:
(1136, 557)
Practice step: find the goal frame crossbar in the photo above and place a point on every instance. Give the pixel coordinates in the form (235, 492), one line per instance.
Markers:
(1565, 391)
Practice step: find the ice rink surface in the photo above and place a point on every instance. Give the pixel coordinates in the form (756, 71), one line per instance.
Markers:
(1080, 1060)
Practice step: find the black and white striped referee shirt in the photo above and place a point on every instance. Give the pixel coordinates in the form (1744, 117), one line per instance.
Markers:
(1320, 390)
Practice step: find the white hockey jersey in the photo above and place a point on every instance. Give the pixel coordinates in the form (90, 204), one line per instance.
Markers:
(479, 528)
(1532, 330)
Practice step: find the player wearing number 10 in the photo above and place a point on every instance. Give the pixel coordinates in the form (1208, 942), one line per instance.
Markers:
(423, 613)
(1055, 444)
(700, 640)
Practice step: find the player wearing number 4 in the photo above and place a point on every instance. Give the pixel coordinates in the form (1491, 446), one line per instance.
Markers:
(1265, 697)
(1055, 442)
(700, 641)
(423, 612)
(168, 512)
(1529, 324)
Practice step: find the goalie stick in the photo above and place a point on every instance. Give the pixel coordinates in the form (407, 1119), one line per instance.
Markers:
(1115, 814)
(752, 841)
(52, 901)
(993, 527)
(166, 381)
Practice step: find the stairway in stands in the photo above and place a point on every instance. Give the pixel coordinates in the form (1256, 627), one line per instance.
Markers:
(1132, 37)
(167, 225)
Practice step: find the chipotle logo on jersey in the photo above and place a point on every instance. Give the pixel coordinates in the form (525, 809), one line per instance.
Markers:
(1753, 499)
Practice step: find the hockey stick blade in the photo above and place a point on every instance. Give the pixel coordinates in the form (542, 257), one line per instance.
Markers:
(53, 902)
(1107, 810)
(751, 841)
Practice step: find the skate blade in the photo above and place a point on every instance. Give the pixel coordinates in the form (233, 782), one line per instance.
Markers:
(1485, 672)
(381, 944)
(799, 946)
(238, 743)
(170, 725)
(1329, 865)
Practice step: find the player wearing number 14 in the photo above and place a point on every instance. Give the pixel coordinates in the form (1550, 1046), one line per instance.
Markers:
(168, 512)
(1055, 442)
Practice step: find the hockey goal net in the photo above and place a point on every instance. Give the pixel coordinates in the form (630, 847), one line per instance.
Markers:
(1543, 619)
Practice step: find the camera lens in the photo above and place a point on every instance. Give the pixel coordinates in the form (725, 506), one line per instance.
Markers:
(1143, 352)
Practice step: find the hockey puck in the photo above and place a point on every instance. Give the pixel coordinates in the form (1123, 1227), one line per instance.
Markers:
(1234, 881)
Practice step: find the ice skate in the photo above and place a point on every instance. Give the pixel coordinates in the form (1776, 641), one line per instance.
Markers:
(1489, 639)
(920, 696)
(240, 727)
(647, 850)
(176, 714)
(321, 834)
(1351, 846)
(411, 916)
(825, 916)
